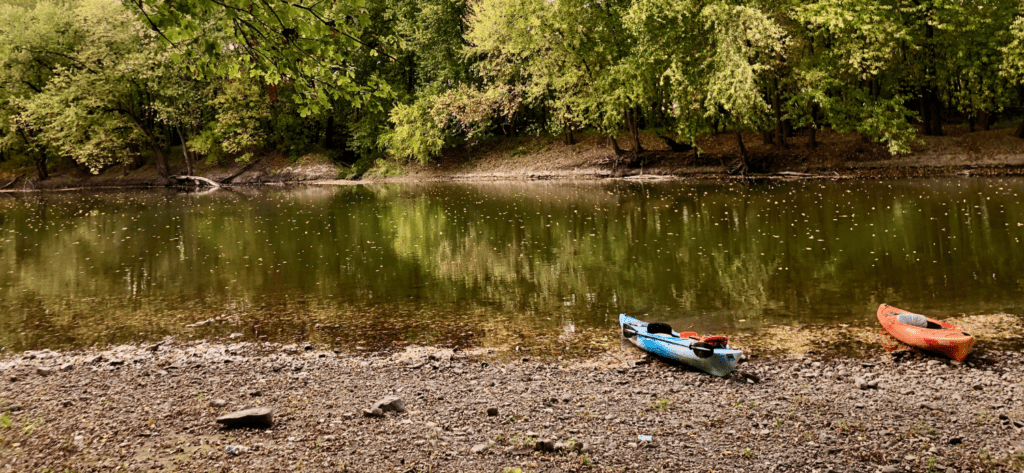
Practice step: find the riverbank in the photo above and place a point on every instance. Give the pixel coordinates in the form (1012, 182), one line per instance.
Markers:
(835, 155)
(145, 408)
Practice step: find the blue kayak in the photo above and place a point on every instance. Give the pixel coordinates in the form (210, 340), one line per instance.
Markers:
(711, 355)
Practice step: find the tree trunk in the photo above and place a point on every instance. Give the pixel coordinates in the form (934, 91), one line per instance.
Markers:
(615, 146)
(971, 121)
(160, 159)
(814, 126)
(569, 140)
(741, 166)
(936, 113)
(780, 133)
(189, 169)
(984, 120)
(634, 130)
(41, 167)
(1019, 132)
(767, 138)
(329, 132)
(926, 114)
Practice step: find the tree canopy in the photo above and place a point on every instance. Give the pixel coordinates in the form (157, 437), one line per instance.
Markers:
(119, 84)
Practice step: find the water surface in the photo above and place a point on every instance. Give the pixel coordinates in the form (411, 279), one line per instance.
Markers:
(493, 264)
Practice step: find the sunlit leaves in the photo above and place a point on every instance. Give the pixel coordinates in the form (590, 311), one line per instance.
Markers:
(308, 43)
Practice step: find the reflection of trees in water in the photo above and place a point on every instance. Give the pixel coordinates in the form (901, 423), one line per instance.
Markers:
(527, 255)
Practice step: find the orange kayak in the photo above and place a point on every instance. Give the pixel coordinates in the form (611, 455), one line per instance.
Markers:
(922, 332)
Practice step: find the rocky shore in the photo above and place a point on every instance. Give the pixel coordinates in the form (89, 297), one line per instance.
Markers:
(156, 408)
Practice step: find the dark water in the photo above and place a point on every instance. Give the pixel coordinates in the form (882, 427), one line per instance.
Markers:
(490, 264)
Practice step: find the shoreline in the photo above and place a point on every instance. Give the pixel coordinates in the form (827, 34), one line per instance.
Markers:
(848, 173)
(154, 407)
(837, 156)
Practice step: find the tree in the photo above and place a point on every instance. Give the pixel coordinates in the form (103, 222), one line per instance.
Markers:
(36, 40)
(1012, 66)
(307, 43)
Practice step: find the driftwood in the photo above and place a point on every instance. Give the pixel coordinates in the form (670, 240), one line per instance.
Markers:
(232, 177)
(198, 181)
(11, 184)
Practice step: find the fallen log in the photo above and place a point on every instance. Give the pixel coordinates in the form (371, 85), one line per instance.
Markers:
(196, 180)
(10, 184)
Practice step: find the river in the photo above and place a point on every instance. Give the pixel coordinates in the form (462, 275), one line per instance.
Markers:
(374, 267)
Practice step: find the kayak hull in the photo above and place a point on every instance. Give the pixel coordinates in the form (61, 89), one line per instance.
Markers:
(941, 337)
(721, 362)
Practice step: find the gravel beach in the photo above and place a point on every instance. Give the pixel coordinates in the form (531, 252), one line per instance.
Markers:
(156, 408)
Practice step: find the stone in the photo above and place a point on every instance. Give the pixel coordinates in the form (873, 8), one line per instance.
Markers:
(544, 445)
(218, 403)
(891, 469)
(67, 367)
(13, 379)
(873, 384)
(390, 404)
(479, 448)
(956, 440)
(375, 412)
(258, 417)
(116, 362)
(256, 393)
(10, 407)
(860, 383)
(44, 371)
(492, 411)
(67, 403)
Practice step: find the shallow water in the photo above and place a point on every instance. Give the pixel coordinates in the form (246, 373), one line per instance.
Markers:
(493, 264)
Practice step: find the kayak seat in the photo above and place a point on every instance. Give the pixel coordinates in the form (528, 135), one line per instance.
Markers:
(917, 320)
(658, 327)
(688, 335)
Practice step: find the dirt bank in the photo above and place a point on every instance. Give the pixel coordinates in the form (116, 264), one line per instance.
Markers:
(993, 152)
(138, 408)
(835, 155)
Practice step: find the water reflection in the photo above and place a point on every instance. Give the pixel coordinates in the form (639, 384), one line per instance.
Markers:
(496, 263)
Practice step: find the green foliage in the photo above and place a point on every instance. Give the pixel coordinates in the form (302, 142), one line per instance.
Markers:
(108, 84)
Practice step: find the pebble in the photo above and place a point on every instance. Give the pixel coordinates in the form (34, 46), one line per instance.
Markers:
(218, 403)
(67, 367)
(479, 448)
(44, 371)
(492, 411)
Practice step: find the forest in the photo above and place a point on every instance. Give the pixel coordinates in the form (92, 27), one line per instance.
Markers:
(101, 84)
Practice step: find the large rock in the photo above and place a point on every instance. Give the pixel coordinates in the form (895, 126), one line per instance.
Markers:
(544, 445)
(390, 404)
(258, 417)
